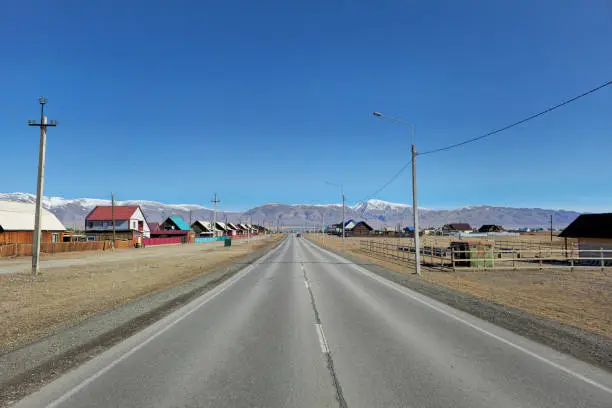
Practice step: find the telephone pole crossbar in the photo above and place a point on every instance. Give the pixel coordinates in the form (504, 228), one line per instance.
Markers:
(36, 237)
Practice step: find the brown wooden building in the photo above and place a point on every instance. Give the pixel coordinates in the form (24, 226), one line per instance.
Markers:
(17, 224)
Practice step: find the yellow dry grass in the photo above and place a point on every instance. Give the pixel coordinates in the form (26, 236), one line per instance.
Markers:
(580, 298)
(32, 307)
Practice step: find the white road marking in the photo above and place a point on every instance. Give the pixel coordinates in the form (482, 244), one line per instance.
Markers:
(89, 380)
(306, 284)
(322, 340)
(405, 291)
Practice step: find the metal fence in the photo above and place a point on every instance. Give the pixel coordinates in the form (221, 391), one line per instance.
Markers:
(490, 257)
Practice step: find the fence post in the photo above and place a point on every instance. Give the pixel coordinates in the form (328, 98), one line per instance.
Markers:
(453, 258)
(513, 260)
(540, 256)
(601, 256)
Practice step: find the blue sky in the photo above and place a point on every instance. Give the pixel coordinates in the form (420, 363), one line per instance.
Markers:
(263, 101)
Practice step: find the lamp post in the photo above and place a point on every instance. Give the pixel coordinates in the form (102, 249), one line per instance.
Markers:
(41, 181)
(415, 216)
(342, 191)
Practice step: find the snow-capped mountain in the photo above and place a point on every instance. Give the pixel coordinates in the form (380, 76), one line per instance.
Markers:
(378, 213)
(72, 212)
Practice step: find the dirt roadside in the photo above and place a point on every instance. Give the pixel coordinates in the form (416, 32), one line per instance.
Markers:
(502, 301)
(26, 369)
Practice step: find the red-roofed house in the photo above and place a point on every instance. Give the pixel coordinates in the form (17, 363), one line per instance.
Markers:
(130, 223)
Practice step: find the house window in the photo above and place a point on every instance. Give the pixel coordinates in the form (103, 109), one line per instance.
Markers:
(55, 237)
(89, 224)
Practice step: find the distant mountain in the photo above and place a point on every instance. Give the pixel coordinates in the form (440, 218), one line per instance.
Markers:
(378, 213)
(72, 212)
(382, 213)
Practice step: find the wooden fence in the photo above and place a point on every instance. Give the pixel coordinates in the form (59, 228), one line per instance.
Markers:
(490, 257)
(11, 250)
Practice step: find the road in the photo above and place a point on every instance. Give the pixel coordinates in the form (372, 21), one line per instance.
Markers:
(306, 328)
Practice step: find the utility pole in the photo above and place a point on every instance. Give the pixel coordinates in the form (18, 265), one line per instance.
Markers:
(415, 213)
(36, 236)
(551, 227)
(214, 227)
(113, 217)
(190, 218)
(343, 219)
(415, 208)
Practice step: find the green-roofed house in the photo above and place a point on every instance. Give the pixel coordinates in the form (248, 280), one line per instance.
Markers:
(173, 227)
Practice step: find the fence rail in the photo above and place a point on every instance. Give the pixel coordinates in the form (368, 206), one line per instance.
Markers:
(492, 257)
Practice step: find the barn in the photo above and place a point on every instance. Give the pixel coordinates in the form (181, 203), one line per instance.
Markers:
(17, 224)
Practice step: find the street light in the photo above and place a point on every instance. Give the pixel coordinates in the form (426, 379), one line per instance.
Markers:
(342, 191)
(415, 216)
(41, 181)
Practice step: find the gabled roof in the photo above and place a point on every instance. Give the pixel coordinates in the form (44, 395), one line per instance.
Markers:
(16, 216)
(243, 227)
(233, 226)
(180, 223)
(355, 224)
(590, 226)
(105, 212)
(221, 225)
(490, 228)
(230, 226)
(204, 224)
(459, 226)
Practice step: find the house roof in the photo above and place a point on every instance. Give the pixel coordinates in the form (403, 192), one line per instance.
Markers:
(590, 226)
(459, 226)
(221, 226)
(105, 212)
(153, 226)
(204, 224)
(355, 224)
(490, 227)
(180, 223)
(232, 226)
(16, 216)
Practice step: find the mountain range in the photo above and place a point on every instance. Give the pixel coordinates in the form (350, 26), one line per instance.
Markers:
(378, 213)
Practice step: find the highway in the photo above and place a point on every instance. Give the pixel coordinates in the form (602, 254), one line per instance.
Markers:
(305, 328)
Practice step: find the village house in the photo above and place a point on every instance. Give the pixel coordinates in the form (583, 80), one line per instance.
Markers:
(17, 224)
(491, 228)
(130, 223)
(359, 228)
(172, 227)
(202, 229)
(235, 228)
(593, 233)
(456, 228)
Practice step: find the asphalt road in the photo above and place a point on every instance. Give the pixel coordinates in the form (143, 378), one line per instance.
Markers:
(305, 328)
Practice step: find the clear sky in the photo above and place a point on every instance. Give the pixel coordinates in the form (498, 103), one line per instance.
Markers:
(263, 101)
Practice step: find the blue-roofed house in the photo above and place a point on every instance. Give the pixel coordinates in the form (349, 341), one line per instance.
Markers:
(173, 227)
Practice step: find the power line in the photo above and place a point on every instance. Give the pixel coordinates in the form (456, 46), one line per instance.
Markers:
(519, 122)
(396, 175)
(385, 185)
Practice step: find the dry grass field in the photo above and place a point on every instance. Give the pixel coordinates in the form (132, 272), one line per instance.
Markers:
(580, 298)
(32, 307)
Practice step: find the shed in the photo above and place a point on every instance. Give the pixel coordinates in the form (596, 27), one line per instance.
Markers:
(17, 224)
